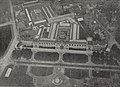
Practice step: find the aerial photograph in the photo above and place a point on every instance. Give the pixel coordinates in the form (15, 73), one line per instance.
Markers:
(59, 43)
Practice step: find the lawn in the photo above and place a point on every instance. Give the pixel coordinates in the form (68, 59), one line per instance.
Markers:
(101, 74)
(47, 56)
(25, 53)
(16, 54)
(76, 73)
(103, 58)
(117, 36)
(5, 38)
(115, 52)
(18, 77)
(16, 2)
(75, 58)
(41, 71)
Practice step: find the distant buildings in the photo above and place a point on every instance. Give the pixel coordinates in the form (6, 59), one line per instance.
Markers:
(8, 72)
(41, 28)
(30, 1)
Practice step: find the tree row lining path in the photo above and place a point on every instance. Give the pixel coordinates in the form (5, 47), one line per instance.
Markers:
(93, 67)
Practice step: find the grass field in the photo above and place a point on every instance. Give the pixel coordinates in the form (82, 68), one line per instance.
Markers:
(46, 56)
(117, 36)
(5, 38)
(75, 58)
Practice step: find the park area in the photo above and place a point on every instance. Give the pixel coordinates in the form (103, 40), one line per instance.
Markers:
(46, 56)
(5, 15)
(75, 58)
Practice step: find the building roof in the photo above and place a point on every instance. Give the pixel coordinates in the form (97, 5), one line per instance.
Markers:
(62, 18)
(30, 1)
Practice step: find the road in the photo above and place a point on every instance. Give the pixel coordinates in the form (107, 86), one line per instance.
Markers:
(6, 58)
(8, 23)
(82, 66)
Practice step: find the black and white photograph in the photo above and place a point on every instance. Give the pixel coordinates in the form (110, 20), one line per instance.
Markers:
(59, 43)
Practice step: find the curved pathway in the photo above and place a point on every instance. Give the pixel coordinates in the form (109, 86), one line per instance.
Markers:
(6, 60)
